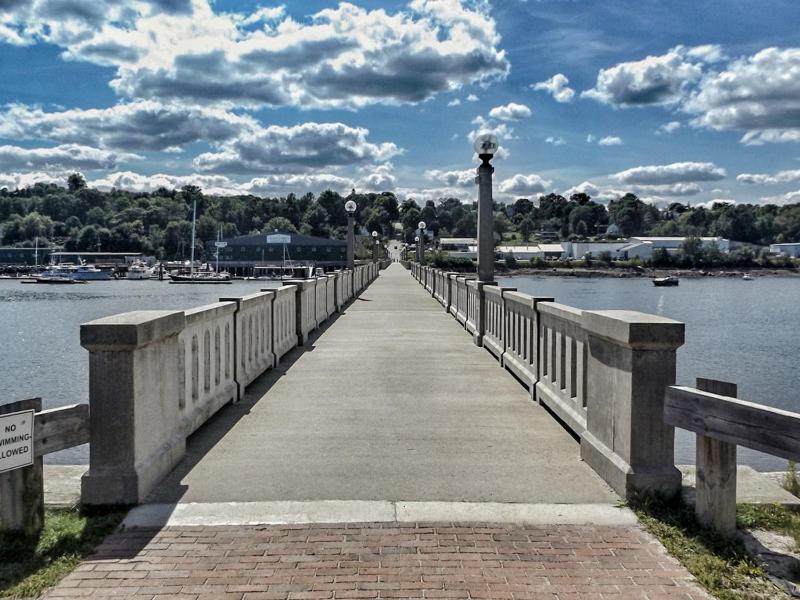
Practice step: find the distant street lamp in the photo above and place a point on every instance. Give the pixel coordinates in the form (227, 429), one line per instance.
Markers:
(421, 242)
(486, 146)
(375, 246)
(350, 207)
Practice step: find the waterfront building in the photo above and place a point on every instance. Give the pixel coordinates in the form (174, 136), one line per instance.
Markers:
(242, 254)
(791, 249)
(25, 257)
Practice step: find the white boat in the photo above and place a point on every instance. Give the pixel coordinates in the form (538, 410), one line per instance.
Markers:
(58, 274)
(200, 276)
(85, 272)
(283, 272)
(139, 271)
(747, 277)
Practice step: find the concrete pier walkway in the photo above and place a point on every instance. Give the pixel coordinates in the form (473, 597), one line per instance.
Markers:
(390, 458)
(391, 402)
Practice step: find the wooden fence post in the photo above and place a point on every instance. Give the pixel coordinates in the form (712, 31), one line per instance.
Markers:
(22, 490)
(715, 483)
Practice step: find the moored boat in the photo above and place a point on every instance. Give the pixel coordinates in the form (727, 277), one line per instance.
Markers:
(139, 271)
(668, 281)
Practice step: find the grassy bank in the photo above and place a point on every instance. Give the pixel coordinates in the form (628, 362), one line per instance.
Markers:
(29, 566)
(721, 565)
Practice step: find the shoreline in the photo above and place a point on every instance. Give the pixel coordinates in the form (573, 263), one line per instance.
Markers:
(628, 273)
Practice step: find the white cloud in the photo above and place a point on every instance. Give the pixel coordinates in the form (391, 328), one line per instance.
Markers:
(586, 187)
(787, 198)
(143, 125)
(764, 179)
(347, 56)
(652, 80)
(556, 141)
(284, 183)
(454, 102)
(301, 147)
(452, 179)
(136, 182)
(669, 127)
(377, 178)
(610, 140)
(59, 158)
(502, 130)
(14, 181)
(524, 185)
(472, 98)
(673, 173)
(510, 112)
(590, 139)
(708, 53)
(672, 189)
(557, 86)
(759, 95)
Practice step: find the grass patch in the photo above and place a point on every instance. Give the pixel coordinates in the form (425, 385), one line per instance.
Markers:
(721, 565)
(772, 517)
(29, 566)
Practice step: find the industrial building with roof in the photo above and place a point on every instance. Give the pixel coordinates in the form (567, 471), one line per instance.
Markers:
(241, 255)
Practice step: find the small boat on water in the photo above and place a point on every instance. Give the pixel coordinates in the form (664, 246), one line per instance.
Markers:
(668, 281)
(747, 277)
(200, 276)
(138, 271)
(57, 275)
(283, 272)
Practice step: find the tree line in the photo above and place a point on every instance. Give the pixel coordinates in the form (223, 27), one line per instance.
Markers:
(158, 223)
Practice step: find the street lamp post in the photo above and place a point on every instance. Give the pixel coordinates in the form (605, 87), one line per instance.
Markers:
(374, 246)
(350, 207)
(486, 146)
(421, 242)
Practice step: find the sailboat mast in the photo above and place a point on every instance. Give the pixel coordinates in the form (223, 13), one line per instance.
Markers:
(194, 222)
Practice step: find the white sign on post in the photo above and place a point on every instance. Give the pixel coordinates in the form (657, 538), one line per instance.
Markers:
(16, 440)
(279, 238)
(221, 244)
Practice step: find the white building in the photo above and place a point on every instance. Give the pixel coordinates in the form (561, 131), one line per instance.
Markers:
(595, 249)
(521, 252)
(792, 249)
(643, 247)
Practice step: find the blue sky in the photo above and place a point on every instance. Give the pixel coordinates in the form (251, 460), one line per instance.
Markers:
(691, 101)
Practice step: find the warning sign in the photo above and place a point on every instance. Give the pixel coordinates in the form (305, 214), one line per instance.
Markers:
(16, 440)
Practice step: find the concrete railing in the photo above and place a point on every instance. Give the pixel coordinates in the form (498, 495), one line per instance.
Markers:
(561, 384)
(156, 376)
(284, 321)
(494, 315)
(206, 369)
(521, 355)
(603, 373)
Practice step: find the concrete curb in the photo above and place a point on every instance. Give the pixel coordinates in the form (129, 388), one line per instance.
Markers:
(358, 511)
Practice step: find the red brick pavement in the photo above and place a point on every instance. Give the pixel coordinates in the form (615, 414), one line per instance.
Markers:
(379, 560)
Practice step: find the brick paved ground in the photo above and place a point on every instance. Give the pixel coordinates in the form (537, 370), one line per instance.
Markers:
(379, 561)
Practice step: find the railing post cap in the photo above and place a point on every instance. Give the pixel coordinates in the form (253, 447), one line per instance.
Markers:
(635, 329)
(131, 330)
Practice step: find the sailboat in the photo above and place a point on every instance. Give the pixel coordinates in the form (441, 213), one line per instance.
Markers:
(200, 275)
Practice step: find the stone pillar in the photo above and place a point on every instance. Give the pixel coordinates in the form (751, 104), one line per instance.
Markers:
(136, 438)
(631, 361)
(485, 221)
(306, 308)
(351, 241)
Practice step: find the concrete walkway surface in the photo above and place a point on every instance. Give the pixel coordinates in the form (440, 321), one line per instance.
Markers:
(387, 560)
(392, 402)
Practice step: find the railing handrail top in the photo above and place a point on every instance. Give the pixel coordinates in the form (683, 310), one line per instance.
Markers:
(745, 404)
(562, 311)
(249, 298)
(200, 313)
(757, 426)
(526, 299)
(281, 291)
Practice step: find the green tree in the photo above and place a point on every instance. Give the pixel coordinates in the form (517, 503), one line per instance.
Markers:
(75, 182)
(280, 224)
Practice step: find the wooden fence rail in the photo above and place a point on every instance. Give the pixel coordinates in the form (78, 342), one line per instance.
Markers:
(22, 490)
(722, 422)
